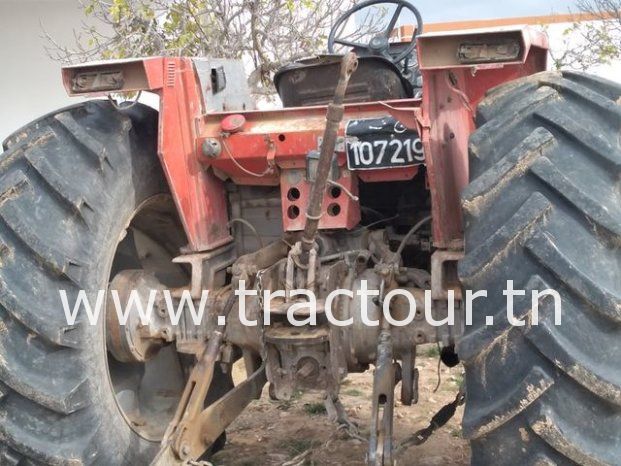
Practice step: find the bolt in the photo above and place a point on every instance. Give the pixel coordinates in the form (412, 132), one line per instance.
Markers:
(211, 148)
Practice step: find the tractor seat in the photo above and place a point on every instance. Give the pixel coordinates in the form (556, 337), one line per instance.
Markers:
(312, 81)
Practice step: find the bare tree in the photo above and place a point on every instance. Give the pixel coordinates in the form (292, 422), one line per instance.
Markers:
(266, 34)
(594, 38)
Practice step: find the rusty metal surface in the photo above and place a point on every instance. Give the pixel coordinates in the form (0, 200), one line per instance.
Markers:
(441, 279)
(338, 209)
(437, 50)
(262, 208)
(234, 96)
(285, 137)
(409, 377)
(299, 358)
(199, 195)
(208, 269)
(132, 341)
(333, 119)
(450, 96)
(246, 267)
(271, 148)
(218, 415)
(288, 135)
(380, 452)
(180, 439)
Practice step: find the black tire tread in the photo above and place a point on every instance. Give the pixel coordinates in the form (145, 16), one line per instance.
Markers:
(543, 209)
(56, 176)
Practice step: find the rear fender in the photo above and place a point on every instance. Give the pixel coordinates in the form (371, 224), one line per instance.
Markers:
(188, 89)
(191, 112)
(452, 88)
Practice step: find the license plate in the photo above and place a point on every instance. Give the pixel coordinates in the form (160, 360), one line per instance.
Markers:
(379, 143)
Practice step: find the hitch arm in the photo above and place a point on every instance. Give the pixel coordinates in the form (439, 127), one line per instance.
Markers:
(380, 452)
(194, 428)
(212, 421)
(175, 443)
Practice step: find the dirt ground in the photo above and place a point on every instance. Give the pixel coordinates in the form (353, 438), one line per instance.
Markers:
(274, 433)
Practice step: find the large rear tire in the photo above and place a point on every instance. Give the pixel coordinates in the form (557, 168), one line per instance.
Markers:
(71, 184)
(544, 210)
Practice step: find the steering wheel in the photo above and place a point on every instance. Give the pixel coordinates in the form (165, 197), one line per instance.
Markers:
(379, 44)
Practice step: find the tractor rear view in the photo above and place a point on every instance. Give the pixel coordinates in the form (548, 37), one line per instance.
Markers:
(415, 188)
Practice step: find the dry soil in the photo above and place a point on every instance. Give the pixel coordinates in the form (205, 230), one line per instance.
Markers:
(276, 432)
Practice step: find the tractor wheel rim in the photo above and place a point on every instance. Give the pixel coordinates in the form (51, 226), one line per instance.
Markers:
(146, 393)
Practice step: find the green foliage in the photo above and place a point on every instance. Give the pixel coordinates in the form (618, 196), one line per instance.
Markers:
(457, 379)
(429, 351)
(594, 42)
(313, 409)
(118, 10)
(353, 392)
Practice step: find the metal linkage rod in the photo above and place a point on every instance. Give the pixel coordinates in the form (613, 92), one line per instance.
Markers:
(334, 117)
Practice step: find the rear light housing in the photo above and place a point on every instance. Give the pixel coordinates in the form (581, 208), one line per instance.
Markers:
(507, 50)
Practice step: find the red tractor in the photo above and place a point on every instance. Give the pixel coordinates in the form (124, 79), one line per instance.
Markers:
(439, 164)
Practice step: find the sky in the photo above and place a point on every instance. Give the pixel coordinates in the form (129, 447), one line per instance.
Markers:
(436, 11)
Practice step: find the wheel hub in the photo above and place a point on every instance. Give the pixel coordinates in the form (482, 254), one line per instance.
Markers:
(130, 336)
